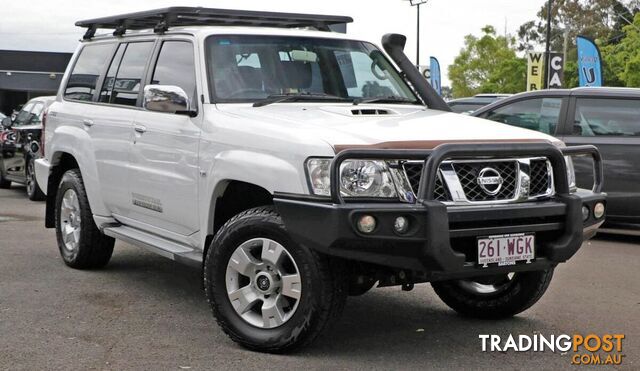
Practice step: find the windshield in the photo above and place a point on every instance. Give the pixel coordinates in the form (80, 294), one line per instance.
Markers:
(251, 68)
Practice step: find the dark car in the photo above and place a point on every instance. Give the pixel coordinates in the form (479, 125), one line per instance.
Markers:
(20, 146)
(471, 104)
(608, 118)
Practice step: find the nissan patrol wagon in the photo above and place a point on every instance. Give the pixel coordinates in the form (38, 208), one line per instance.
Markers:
(295, 166)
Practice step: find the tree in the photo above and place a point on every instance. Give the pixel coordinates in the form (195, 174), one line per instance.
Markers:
(622, 59)
(487, 64)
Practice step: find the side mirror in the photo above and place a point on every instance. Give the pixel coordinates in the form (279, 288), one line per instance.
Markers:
(7, 123)
(168, 99)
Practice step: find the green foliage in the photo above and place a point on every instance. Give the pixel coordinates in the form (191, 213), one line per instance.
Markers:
(487, 64)
(622, 59)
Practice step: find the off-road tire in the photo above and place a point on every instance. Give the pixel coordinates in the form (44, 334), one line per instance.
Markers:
(525, 290)
(324, 289)
(34, 192)
(94, 249)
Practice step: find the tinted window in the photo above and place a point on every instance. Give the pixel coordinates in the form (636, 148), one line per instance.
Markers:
(91, 62)
(176, 67)
(613, 117)
(130, 75)
(107, 86)
(540, 114)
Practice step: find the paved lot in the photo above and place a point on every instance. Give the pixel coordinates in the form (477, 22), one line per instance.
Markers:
(146, 312)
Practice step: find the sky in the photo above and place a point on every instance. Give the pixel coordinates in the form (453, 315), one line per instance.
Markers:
(48, 25)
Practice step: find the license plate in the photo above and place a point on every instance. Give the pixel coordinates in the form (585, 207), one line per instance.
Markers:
(506, 249)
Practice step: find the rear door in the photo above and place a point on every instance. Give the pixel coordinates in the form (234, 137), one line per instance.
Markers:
(613, 125)
(164, 156)
(110, 122)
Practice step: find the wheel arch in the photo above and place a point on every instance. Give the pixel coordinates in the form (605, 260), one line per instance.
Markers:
(231, 197)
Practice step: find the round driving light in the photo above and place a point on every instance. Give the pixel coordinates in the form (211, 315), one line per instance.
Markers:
(585, 213)
(366, 224)
(401, 225)
(598, 210)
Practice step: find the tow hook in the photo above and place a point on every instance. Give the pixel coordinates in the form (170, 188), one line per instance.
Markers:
(407, 286)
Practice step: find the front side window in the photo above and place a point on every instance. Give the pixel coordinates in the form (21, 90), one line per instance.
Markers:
(607, 117)
(84, 77)
(127, 85)
(176, 67)
(249, 68)
(539, 114)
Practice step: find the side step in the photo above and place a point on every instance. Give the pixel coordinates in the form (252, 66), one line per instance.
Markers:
(169, 249)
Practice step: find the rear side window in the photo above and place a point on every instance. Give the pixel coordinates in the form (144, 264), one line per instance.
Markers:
(176, 67)
(539, 114)
(107, 86)
(130, 76)
(84, 77)
(607, 117)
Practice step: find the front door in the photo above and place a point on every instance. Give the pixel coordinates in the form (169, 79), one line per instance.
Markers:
(163, 171)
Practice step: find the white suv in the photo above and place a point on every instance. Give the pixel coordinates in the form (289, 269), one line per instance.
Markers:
(296, 166)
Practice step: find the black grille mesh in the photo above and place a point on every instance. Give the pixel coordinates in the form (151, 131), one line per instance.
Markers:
(468, 174)
(540, 180)
(414, 172)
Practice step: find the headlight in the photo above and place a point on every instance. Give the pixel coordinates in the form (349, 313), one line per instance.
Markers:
(358, 178)
(571, 174)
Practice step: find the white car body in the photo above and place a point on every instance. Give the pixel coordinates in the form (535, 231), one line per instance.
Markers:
(183, 164)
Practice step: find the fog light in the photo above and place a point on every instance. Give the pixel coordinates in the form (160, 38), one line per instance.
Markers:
(401, 224)
(366, 224)
(598, 210)
(585, 213)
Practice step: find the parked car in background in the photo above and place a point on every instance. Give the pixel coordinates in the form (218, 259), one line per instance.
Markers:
(608, 118)
(20, 146)
(468, 105)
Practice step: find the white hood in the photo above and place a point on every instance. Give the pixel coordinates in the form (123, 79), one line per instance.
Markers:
(337, 125)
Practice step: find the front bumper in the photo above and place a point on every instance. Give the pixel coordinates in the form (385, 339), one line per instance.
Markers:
(441, 244)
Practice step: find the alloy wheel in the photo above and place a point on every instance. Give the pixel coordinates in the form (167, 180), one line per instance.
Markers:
(263, 283)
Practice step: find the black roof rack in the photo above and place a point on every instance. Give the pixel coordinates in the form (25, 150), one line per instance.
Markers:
(161, 19)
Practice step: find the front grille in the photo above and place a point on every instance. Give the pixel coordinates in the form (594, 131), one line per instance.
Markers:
(540, 180)
(467, 176)
(414, 172)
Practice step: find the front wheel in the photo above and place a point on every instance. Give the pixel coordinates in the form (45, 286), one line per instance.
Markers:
(268, 293)
(494, 297)
(33, 189)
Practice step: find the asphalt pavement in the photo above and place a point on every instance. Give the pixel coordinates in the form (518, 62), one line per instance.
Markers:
(146, 312)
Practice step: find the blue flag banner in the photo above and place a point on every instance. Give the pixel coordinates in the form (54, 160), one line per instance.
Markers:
(436, 81)
(589, 62)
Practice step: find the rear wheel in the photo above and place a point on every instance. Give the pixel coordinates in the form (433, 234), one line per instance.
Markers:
(81, 244)
(33, 189)
(494, 297)
(268, 293)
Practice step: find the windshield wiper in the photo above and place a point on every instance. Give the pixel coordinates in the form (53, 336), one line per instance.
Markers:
(279, 98)
(389, 99)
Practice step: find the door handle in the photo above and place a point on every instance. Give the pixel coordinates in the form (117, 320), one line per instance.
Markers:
(139, 128)
(87, 122)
